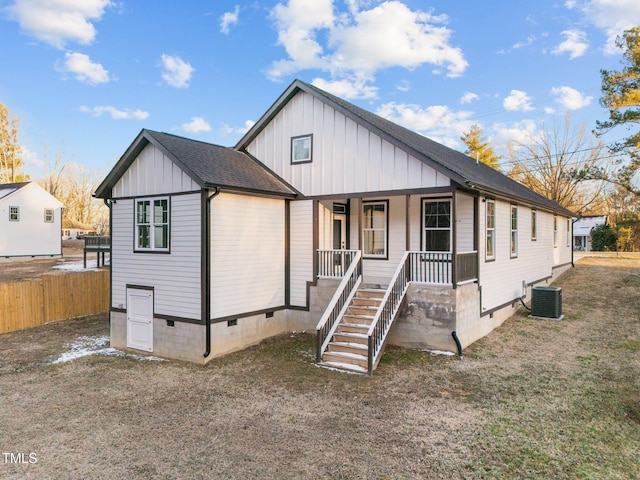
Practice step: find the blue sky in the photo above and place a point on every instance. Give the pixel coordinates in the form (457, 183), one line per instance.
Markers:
(88, 75)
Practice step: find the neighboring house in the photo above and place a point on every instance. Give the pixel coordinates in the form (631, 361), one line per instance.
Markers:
(76, 233)
(582, 228)
(321, 212)
(30, 221)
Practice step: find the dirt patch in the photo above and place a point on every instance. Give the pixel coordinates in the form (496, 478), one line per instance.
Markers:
(534, 399)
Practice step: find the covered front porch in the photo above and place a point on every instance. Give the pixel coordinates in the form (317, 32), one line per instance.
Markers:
(377, 274)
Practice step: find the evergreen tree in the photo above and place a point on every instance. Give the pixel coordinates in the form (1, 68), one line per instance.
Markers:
(621, 96)
(478, 148)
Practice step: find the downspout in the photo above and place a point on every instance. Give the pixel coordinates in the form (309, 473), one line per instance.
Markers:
(109, 203)
(207, 275)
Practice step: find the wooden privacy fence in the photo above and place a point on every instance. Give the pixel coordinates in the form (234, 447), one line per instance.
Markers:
(54, 297)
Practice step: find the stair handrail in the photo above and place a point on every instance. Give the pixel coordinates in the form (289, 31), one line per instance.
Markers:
(338, 305)
(387, 310)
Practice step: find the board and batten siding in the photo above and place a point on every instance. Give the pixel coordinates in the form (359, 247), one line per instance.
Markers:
(247, 254)
(153, 173)
(501, 279)
(300, 251)
(175, 276)
(347, 157)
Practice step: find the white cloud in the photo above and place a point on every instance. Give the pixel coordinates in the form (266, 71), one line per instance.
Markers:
(570, 98)
(613, 17)
(84, 69)
(57, 22)
(228, 19)
(437, 122)
(519, 132)
(177, 72)
(468, 97)
(116, 114)
(404, 85)
(517, 100)
(239, 130)
(348, 89)
(196, 125)
(575, 44)
(360, 42)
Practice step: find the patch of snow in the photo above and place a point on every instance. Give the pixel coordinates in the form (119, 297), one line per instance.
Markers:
(85, 346)
(439, 352)
(92, 265)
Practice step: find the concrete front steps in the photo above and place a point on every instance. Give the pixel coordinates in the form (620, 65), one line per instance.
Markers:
(348, 349)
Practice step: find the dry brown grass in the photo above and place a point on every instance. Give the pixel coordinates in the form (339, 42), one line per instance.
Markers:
(535, 399)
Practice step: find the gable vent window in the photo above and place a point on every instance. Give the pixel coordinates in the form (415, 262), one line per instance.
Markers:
(152, 225)
(301, 149)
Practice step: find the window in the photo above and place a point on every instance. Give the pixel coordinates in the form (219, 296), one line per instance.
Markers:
(374, 229)
(301, 149)
(48, 215)
(152, 224)
(437, 226)
(534, 225)
(514, 231)
(555, 230)
(14, 214)
(491, 229)
(568, 232)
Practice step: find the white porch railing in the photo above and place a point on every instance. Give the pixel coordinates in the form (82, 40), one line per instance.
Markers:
(334, 263)
(338, 304)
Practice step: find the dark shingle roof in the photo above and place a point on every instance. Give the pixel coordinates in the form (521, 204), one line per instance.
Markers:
(207, 164)
(456, 165)
(9, 188)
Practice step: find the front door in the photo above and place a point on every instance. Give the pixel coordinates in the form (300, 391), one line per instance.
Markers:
(339, 231)
(140, 319)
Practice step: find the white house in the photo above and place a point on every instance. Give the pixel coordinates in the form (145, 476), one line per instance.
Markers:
(582, 229)
(30, 221)
(325, 216)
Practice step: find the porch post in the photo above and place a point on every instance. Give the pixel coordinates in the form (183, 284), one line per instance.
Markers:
(454, 239)
(407, 223)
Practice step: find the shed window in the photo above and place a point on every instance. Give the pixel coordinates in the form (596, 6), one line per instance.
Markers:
(514, 231)
(374, 229)
(490, 229)
(14, 214)
(555, 230)
(152, 224)
(301, 149)
(568, 232)
(48, 215)
(437, 226)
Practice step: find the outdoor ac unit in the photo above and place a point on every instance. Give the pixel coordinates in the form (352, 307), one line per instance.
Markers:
(546, 302)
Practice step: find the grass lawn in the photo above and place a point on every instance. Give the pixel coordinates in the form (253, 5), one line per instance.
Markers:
(534, 399)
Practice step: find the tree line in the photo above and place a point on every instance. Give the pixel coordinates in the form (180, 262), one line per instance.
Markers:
(571, 166)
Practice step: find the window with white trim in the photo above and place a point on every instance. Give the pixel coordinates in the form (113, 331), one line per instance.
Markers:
(152, 224)
(514, 231)
(490, 227)
(374, 229)
(555, 230)
(14, 214)
(301, 149)
(437, 226)
(534, 225)
(48, 215)
(568, 232)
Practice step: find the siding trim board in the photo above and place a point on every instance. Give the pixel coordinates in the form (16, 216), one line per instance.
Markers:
(248, 314)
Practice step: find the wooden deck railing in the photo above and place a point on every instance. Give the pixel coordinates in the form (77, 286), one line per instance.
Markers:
(338, 304)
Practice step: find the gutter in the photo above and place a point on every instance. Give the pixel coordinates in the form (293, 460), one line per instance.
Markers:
(207, 273)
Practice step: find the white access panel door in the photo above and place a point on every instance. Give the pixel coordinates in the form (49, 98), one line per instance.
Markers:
(140, 319)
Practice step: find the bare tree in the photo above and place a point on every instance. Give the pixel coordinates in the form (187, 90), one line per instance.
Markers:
(53, 181)
(552, 162)
(10, 161)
